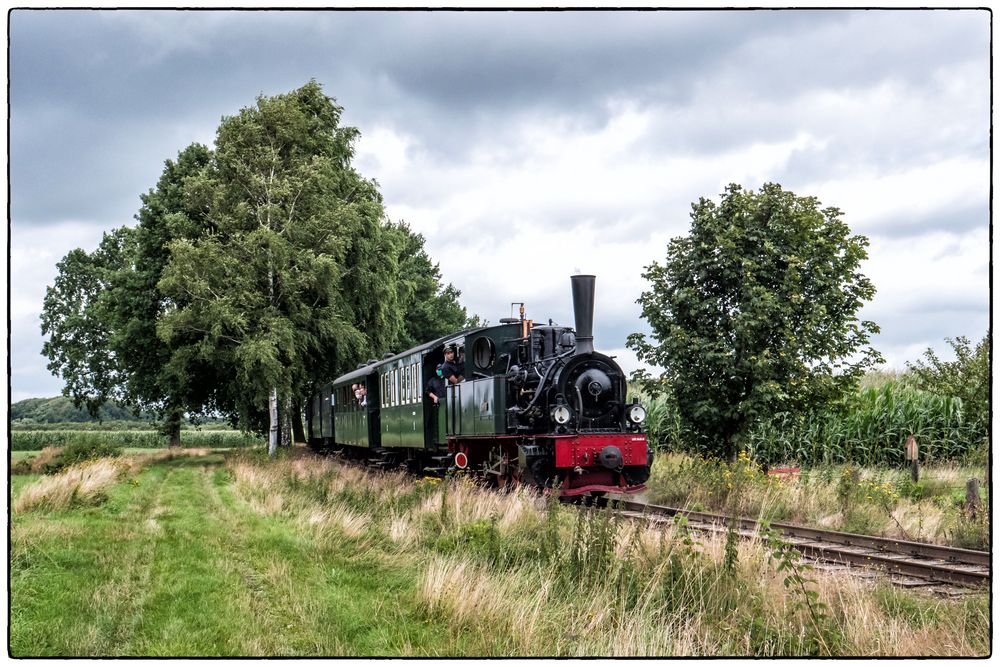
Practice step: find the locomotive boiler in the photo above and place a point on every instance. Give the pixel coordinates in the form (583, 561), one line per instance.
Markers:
(535, 404)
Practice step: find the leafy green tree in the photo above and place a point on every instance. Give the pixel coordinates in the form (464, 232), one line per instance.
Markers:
(754, 312)
(76, 316)
(967, 377)
(256, 272)
(101, 313)
(60, 409)
(263, 294)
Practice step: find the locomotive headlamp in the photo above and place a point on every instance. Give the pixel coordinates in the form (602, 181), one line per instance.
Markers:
(636, 414)
(560, 414)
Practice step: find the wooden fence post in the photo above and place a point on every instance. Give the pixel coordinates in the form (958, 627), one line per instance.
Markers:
(972, 501)
(912, 455)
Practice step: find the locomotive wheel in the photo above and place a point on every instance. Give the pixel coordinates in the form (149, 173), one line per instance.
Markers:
(498, 469)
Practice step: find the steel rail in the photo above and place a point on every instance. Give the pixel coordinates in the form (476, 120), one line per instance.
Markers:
(964, 567)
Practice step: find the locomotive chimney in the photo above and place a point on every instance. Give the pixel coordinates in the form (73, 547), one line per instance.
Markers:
(583, 311)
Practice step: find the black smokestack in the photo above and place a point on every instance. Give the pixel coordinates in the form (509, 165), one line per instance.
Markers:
(583, 311)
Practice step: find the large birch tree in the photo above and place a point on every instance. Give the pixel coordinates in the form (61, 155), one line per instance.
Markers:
(263, 292)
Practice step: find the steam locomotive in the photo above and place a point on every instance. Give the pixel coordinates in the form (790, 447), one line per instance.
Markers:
(536, 405)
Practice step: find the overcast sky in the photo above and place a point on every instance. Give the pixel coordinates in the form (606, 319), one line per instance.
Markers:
(530, 146)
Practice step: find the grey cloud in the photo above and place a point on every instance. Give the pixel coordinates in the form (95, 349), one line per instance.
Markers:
(451, 79)
(969, 217)
(934, 326)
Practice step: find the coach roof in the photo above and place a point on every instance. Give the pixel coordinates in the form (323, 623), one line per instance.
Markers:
(368, 369)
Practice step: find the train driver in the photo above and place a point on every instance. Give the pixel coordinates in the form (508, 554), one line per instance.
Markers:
(449, 369)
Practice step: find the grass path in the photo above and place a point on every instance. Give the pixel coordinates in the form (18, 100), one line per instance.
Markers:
(175, 564)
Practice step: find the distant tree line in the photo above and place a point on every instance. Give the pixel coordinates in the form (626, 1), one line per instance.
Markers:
(258, 270)
(60, 409)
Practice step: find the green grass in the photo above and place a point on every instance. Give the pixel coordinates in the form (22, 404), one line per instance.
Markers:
(174, 564)
(234, 554)
(20, 455)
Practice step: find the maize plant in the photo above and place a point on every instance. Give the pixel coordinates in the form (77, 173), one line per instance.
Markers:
(869, 427)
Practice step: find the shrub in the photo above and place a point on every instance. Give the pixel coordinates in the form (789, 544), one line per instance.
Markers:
(87, 450)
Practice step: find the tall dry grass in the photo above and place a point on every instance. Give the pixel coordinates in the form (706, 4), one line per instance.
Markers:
(87, 483)
(610, 588)
(824, 497)
(83, 484)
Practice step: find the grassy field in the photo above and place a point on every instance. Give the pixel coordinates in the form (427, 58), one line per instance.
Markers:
(230, 554)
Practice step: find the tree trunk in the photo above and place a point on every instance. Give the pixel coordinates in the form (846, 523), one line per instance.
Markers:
(286, 423)
(174, 427)
(733, 446)
(298, 432)
(272, 438)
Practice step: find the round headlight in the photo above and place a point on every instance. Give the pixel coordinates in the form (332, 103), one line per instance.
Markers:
(636, 414)
(560, 414)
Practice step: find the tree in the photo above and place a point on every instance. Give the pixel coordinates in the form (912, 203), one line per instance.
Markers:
(256, 272)
(754, 312)
(75, 316)
(262, 295)
(967, 377)
(101, 314)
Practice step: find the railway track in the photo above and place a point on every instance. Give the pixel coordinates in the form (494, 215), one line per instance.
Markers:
(911, 563)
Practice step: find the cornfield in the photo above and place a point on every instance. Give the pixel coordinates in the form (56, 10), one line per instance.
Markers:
(869, 427)
(37, 440)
